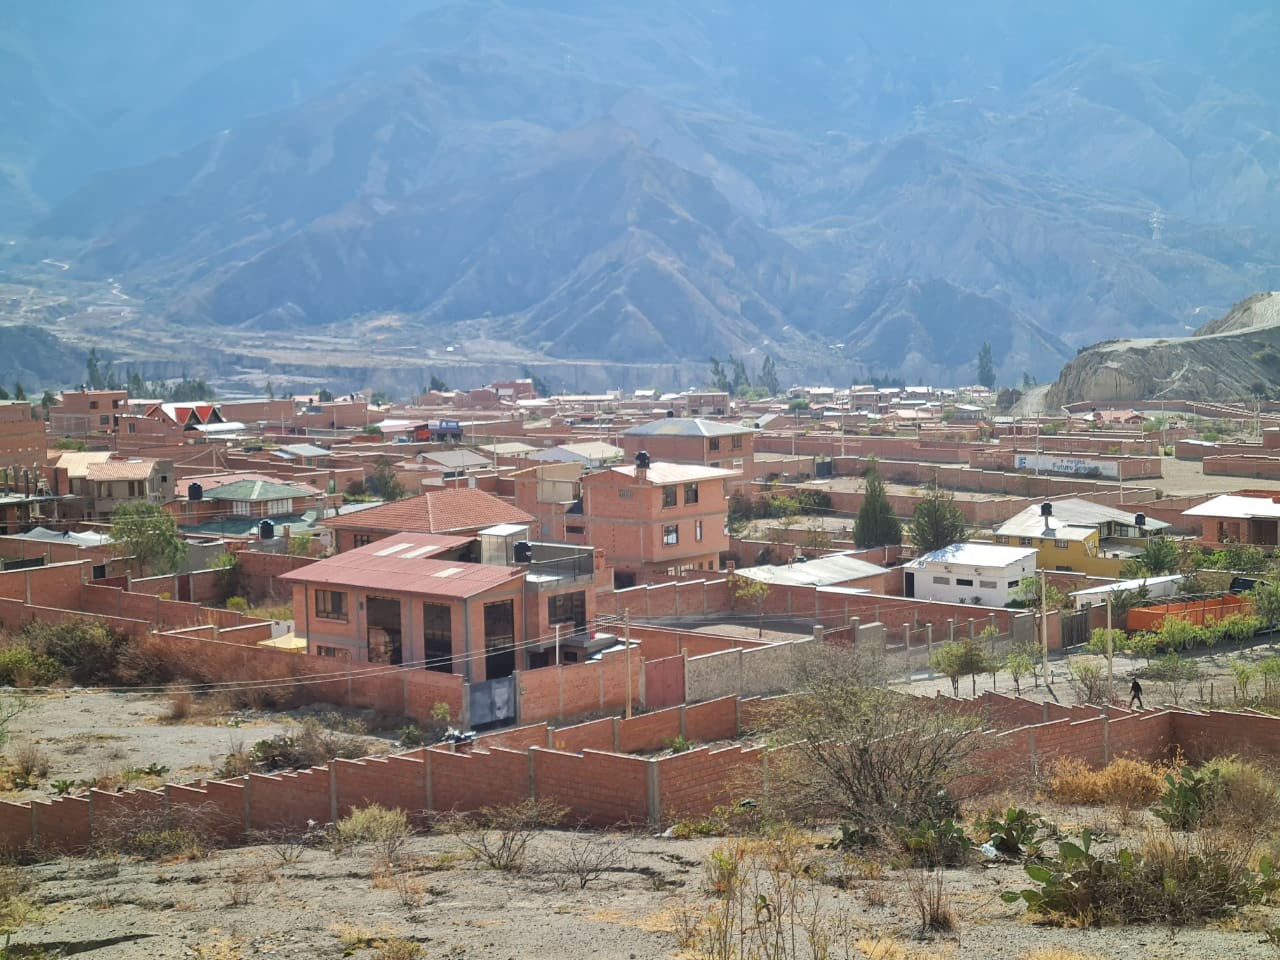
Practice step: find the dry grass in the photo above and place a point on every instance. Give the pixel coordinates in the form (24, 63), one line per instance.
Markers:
(30, 761)
(179, 705)
(1249, 802)
(1123, 783)
(1057, 953)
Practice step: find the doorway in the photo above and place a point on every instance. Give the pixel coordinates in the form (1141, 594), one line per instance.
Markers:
(382, 615)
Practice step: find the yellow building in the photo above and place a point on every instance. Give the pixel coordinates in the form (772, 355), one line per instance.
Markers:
(1082, 537)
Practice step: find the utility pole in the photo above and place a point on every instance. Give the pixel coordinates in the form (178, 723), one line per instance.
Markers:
(626, 640)
(1110, 651)
(557, 644)
(1044, 627)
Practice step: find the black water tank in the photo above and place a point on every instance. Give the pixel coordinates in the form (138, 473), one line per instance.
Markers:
(266, 530)
(1140, 519)
(670, 414)
(195, 491)
(642, 460)
(1046, 509)
(523, 551)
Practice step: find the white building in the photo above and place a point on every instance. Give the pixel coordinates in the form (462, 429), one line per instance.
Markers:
(981, 573)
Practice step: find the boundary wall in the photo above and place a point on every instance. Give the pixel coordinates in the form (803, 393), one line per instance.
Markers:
(605, 773)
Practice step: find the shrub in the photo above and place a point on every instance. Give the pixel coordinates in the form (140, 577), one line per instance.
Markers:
(386, 830)
(23, 667)
(1176, 878)
(937, 843)
(1188, 796)
(1017, 833)
(1090, 684)
(238, 604)
(310, 744)
(87, 653)
(500, 835)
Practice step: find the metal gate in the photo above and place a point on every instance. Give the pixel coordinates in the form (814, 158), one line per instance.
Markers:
(1075, 628)
(493, 702)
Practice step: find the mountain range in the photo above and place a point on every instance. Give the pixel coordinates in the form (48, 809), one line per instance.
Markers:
(854, 192)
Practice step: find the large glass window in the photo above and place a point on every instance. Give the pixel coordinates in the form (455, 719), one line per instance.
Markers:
(331, 605)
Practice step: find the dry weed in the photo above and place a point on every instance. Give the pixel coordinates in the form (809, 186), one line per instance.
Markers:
(30, 761)
(1057, 953)
(179, 705)
(1123, 783)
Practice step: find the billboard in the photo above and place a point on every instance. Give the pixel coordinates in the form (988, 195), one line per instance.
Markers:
(1067, 465)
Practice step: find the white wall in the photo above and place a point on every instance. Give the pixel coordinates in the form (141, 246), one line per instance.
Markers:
(1002, 582)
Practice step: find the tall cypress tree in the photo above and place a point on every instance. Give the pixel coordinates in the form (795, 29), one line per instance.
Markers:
(937, 522)
(876, 525)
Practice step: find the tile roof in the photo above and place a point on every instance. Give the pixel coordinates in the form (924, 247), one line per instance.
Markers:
(686, 427)
(441, 511)
(404, 563)
(77, 463)
(119, 470)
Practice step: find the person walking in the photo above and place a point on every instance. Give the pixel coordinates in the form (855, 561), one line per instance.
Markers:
(1135, 693)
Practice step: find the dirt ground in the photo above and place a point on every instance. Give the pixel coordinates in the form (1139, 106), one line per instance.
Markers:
(84, 735)
(250, 902)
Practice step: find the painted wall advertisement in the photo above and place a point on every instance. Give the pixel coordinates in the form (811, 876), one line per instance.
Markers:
(1071, 466)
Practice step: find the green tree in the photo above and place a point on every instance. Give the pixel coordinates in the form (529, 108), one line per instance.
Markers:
(149, 534)
(768, 379)
(740, 382)
(1160, 557)
(876, 526)
(719, 380)
(1266, 602)
(986, 367)
(383, 482)
(324, 396)
(19, 391)
(937, 521)
(753, 595)
(437, 384)
(1021, 662)
(4, 394)
(47, 400)
(93, 370)
(960, 658)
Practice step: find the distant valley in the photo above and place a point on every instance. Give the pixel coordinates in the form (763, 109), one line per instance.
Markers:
(610, 195)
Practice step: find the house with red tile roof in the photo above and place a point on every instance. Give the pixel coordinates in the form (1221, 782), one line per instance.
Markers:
(479, 607)
(462, 511)
(104, 480)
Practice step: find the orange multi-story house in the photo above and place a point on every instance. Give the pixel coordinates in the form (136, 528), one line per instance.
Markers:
(82, 412)
(656, 519)
(711, 443)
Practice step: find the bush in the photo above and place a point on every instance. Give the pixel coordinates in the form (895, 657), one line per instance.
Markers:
(500, 835)
(1175, 878)
(1125, 783)
(238, 604)
(310, 744)
(387, 831)
(23, 667)
(1017, 833)
(937, 843)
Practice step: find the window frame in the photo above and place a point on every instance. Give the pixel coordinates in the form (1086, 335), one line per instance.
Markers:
(331, 610)
(671, 534)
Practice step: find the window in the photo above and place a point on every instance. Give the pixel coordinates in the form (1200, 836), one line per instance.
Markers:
(1063, 569)
(104, 420)
(624, 493)
(1002, 539)
(437, 637)
(670, 535)
(568, 608)
(713, 443)
(331, 605)
(334, 653)
(690, 493)
(1014, 583)
(962, 582)
(736, 442)
(93, 404)
(1024, 541)
(361, 540)
(574, 528)
(668, 497)
(987, 584)
(942, 581)
(1060, 544)
(697, 530)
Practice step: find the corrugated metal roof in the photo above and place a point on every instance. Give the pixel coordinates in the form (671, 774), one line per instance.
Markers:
(975, 554)
(1236, 507)
(397, 565)
(1074, 511)
(822, 572)
(257, 490)
(664, 473)
(686, 427)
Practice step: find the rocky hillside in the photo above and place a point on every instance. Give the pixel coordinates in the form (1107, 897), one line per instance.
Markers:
(850, 191)
(1236, 356)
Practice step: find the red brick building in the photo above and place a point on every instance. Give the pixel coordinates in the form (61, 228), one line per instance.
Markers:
(421, 600)
(462, 511)
(656, 521)
(710, 443)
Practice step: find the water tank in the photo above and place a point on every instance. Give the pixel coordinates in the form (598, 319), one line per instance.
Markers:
(642, 460)
(1046, 509)
(195, 491)
(670, 414)
(266, 530)
(1140, 519)
(523, 551)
